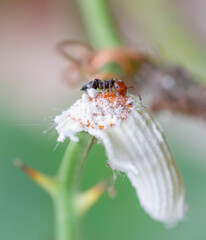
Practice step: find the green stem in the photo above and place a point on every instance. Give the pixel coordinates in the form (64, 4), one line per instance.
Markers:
(102, 34)
(99, 23)
(68, 183)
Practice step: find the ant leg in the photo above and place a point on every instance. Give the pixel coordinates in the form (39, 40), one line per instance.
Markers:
(104, 86)
(136, 92)
(94, 84)
(110, 84)
(99, 84)
(140, 98)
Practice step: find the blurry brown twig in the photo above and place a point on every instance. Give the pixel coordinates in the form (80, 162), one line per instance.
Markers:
(172, 88)
(169, 87)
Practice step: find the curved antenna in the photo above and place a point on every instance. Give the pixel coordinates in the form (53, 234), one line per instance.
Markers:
(136, 92)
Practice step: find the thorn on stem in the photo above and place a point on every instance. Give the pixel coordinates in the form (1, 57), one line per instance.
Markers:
(42, 180)
(91, 196)
(28, 170)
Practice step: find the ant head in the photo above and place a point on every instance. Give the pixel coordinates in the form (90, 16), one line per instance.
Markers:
(116, 84)
(120, 87)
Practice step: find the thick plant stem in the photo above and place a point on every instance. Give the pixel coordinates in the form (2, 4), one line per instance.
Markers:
(98, 23)
(65, 201)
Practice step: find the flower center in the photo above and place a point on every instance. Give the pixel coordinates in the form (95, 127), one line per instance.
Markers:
(101, 110)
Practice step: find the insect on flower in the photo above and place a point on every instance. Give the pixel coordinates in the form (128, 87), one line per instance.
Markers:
(118, 85)
(134, 144)
(133, 140)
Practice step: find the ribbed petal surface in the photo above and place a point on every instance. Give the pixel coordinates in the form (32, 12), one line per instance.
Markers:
(137, 147)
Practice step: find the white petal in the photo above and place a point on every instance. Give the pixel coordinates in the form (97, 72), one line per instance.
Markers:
(137, 147)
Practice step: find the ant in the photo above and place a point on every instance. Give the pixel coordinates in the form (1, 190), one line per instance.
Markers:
(118, 85)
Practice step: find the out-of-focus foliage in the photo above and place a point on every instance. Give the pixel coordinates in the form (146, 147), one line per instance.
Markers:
(164, 28)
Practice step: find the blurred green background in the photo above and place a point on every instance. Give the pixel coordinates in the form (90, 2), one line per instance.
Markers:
(31, 88)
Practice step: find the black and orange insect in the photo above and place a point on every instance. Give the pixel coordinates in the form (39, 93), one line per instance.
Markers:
(118, 85)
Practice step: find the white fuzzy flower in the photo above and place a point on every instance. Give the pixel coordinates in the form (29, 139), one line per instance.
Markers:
(134, 144)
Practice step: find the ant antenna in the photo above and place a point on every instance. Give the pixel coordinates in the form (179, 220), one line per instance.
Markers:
(136, 92)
